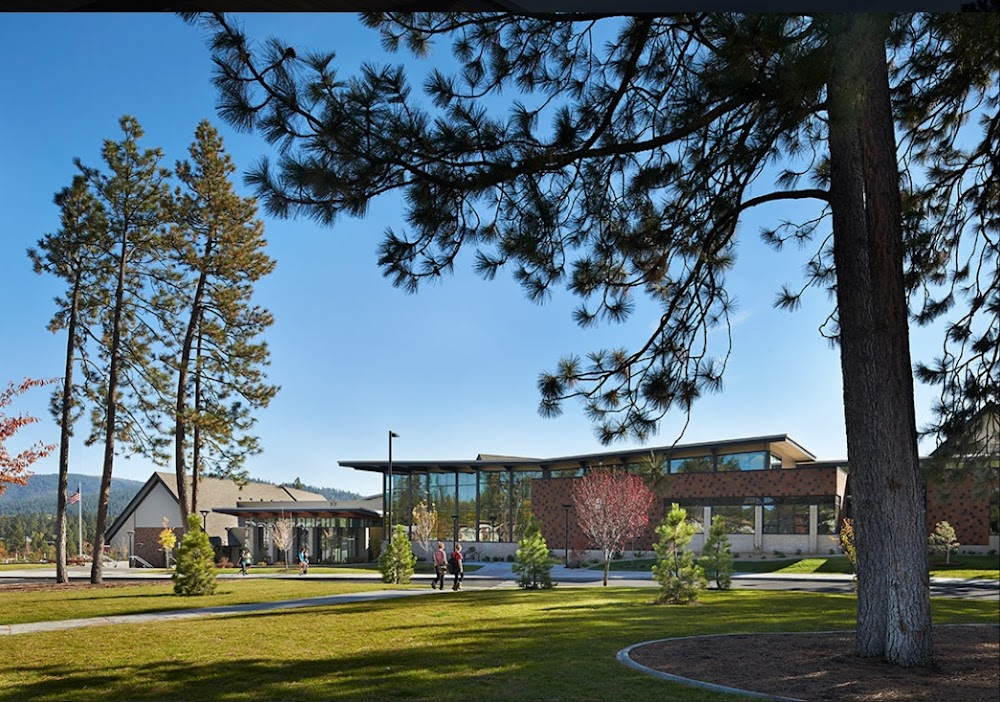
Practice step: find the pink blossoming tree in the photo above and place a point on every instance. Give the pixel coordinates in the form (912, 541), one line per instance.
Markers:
(612, 507)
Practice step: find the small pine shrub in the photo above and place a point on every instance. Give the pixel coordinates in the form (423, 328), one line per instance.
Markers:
(533, 563)
(716, 559)
(396, 561)
(680, 578)
(195, 570)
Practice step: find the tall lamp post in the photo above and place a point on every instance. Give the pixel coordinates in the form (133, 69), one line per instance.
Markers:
(131, 541)
(454, 521)
(388, 505)
(566, 534)
(204, 519)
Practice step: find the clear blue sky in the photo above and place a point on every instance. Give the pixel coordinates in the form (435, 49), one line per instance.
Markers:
(452, 369)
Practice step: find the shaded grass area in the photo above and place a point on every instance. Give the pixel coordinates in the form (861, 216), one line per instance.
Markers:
(82, 601)
(961, 566)
(500, 644)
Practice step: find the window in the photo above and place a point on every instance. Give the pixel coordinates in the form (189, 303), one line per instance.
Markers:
(520, 499)
(466, 507)
(785, 518)
(566, 473)
(695, 514)
(696, 464)
(751, 460)
(739, 519)
(442, 493)
(826, 521)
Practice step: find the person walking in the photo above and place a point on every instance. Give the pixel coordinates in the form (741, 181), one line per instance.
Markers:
(244, 561)
(456, 568)
(303, 561)
(440, 567)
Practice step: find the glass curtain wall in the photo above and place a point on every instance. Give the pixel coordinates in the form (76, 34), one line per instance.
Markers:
(487, 506)
(468, 524)
(491, 505)
(441, 487)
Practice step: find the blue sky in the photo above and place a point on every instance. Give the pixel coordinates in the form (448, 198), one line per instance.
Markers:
(451, 369)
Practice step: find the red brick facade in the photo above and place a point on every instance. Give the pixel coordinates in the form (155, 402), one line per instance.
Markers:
(548, 495)
(963, 505)
(146, 545)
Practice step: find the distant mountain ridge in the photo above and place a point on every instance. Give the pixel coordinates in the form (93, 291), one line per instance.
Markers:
(39, 495)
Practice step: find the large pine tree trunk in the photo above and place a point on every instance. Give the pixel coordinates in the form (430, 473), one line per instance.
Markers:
(97, 567)
(893, 618)
(65, 420)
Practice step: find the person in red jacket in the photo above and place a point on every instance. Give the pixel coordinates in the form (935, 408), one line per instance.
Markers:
(456, 568)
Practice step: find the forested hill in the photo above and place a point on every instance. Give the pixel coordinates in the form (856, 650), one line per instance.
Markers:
(39, 495)
(329, 493)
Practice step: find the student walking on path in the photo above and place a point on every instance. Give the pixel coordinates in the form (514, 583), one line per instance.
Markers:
(440, 567)
(456, 568)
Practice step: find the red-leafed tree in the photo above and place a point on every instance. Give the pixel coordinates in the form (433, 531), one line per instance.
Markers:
(14, 469)
(612, 507)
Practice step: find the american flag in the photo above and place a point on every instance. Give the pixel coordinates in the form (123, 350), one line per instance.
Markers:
(74, 498)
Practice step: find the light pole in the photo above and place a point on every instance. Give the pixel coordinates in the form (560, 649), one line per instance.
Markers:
(388, 505)
(566, 534)
(131, 536)
(454, 519)
(204, 519)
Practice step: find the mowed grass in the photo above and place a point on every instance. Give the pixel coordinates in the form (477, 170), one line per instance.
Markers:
(81, 601)
(498, 644)
(961, 566)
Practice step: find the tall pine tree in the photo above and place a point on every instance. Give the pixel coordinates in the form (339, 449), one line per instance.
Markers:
(128, 387)
(76, 254)
(624, 166)
(219, 246)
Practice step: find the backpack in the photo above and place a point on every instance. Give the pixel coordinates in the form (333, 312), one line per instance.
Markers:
(452, 564)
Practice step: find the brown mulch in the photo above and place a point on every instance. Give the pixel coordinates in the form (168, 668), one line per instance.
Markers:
(822, 667)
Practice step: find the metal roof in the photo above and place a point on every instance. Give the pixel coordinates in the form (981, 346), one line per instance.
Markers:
(781, 444)
(266, 510)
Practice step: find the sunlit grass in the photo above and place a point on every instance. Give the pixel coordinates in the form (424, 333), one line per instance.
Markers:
(499, 644)
(980, 567)
(80, 601)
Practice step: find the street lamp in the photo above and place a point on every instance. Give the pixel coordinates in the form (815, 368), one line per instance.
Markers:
(131, 535)
(454, 520)
(388, 506)
(566, 534)
(204, 518)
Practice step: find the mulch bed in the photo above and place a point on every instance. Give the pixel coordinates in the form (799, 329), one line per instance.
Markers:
(823, 667)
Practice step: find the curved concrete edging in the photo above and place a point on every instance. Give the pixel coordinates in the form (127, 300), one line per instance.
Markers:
(625, 658)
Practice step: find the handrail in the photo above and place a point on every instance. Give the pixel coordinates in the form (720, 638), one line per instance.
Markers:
(143, 563)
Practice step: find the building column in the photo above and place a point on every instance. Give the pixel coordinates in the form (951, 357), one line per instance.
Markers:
(758, 527)
(814, 528)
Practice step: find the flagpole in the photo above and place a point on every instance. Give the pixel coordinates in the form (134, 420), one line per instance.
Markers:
(79, 489)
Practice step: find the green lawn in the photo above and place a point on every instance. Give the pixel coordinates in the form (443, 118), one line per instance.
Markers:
(498, 644)
(961, 566)
(83, 602)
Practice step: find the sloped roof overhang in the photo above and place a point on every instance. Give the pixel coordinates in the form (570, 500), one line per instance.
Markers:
(781, 444)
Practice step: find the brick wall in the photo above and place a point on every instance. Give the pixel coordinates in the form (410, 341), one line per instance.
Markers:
(146, 545)
(963, 505)
(550, 494)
